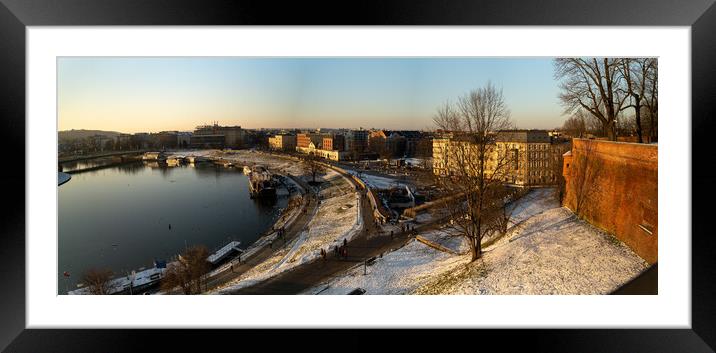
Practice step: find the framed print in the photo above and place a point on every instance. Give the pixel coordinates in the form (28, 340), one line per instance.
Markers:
(458, 165)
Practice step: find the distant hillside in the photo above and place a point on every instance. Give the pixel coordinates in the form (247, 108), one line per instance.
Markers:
(80, 134)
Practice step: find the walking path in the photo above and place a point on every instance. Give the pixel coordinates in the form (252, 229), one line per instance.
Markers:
(267, 251)
(371, 242)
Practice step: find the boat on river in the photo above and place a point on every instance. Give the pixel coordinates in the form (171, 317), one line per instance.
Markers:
(261, 184)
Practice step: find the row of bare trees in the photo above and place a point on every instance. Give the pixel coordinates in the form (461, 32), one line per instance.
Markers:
(607, 90)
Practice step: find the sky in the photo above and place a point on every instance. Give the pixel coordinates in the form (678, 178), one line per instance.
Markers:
(159, 94)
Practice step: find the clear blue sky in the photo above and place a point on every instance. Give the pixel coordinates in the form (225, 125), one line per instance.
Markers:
(155, 94)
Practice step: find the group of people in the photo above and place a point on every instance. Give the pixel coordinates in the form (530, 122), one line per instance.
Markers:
(340, 251)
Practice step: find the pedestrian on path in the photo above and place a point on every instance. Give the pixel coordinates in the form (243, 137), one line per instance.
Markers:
(345, 242)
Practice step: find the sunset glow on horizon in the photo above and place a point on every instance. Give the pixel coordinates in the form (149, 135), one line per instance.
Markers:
(159, 94)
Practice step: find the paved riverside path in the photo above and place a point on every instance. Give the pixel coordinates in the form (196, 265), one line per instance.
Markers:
(266, 252)
(368, 243)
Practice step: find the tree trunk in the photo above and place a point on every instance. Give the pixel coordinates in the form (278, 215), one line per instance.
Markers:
(478, 250)
(610, 130)
(638, 124)
(637, 116)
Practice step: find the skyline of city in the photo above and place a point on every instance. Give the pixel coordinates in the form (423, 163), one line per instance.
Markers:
(164, 94)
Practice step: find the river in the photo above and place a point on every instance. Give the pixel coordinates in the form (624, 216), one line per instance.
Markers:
(124, 217)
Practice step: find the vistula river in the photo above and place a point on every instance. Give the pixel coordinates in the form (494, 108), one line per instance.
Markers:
(119, 218)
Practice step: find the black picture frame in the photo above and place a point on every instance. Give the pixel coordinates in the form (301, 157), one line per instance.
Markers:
(16, 15)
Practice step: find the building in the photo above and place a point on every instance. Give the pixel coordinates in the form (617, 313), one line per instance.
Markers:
(412, 141)
(523, 157)
(124, 141)
(333, 155)
(334, 143)
(285, 143)
(396, 144)
(234, 136)
(304, 139)
(165, 139)
(529, 154)
(215, 136)
(356, 143)
(183, 139)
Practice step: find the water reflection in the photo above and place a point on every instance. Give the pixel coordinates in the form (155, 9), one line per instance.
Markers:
(126, 216)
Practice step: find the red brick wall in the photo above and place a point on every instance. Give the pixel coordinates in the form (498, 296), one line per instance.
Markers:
(614, 186)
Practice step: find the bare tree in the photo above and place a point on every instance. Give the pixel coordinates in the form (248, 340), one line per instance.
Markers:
(504, 207)
(592, 84)
(636, 73)
(651, 101)
(627, 125)
(188, 271)
(586, 169)
(475, 167)
(557, 151)
(576, 125)
(97, 281)
(314, 166)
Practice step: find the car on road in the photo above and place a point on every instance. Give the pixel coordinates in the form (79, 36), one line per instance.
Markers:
(357, 291)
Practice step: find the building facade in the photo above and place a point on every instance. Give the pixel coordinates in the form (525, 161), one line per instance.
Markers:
(522, 157)
(333, 155)
(183, 139)
(304, 139)
(215, 136)
(284, 143)
(334, 143)
(356, 143)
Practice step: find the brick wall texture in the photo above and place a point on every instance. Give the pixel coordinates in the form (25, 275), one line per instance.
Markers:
(613, 185)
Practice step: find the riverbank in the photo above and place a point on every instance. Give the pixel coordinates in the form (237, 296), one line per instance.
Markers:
(124, 218)
(336, 219)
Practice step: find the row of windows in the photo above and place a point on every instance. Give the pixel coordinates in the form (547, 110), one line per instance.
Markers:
(541, 180)
(539, 173)
(542, 147)
(538, 164)
(534, 155)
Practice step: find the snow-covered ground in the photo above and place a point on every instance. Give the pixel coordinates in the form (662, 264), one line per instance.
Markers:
(274, 163)
(548, 251)
(337, 217)
(376, 182)
(400, 272)
(419, 162)
(535, 202)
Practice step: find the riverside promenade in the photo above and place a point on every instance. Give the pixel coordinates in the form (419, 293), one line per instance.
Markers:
(370, 242)
(308, 208)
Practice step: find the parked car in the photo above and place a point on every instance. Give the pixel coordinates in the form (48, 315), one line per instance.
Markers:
(357, 291)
